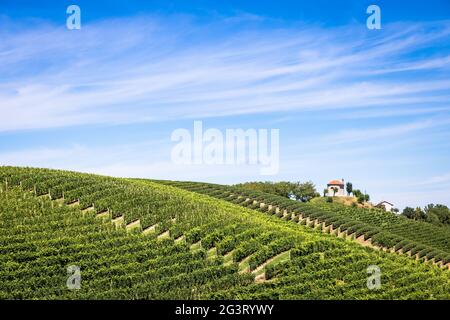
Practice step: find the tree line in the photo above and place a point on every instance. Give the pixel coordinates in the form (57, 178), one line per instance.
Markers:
(438, 214)
(302, 191)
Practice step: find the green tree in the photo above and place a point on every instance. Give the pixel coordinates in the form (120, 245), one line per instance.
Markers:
(361, 198)
(437, 214)
(304, 191)
(357, 193)
(349, 188)
(335, 189)
(419, 214)
(301, 191)
(408, 212)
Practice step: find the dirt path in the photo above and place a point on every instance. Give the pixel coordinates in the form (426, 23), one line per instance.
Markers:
(164, 235)
(262, 266)
(134, 225)
(74, 204)
(119, 221)
(91, 208)
(150, 229)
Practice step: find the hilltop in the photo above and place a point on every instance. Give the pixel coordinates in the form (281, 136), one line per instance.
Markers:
(370, 227)
(345, 200)
(141, 239)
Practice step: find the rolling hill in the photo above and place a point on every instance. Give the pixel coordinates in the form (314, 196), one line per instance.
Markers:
(370, 227)
(143, 239)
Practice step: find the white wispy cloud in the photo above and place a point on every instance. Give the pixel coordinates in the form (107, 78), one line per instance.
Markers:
(356, 135)
(435, 181)
(386, 112)
(148, 69)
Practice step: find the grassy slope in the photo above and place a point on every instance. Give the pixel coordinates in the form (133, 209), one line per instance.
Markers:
(347, 200)
(40, 238)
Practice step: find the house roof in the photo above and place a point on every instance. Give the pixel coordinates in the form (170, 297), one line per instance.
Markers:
(336, 182)
(384, 202)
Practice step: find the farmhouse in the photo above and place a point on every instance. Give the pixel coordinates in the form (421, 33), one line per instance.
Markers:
(336, 188)
(385, 205)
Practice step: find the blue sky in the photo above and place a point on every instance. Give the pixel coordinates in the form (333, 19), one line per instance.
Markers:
(370, 106)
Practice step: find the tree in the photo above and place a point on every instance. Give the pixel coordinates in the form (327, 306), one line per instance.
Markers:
(325, 191)
(357, 193)
(301, 191)
(437, 214)
(335, 189)
(408, 212)
(304, 191)
(361, 198)
(419, 214)
(349, 187)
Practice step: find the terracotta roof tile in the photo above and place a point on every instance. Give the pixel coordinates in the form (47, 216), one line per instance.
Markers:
(336, 182)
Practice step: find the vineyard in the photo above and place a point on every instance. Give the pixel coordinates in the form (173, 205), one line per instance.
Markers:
(141, 239)
(374, 227)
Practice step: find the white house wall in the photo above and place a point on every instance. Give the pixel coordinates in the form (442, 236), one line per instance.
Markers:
(340, 193)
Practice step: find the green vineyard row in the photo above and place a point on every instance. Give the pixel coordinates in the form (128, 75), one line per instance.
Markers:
(183, 245)
(384, 229)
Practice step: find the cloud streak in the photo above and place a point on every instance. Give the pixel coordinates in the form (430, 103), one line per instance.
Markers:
(145, 69)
